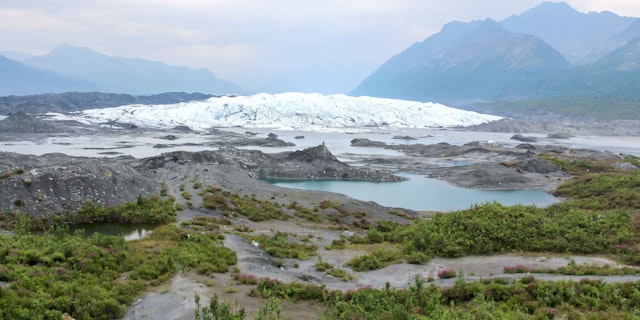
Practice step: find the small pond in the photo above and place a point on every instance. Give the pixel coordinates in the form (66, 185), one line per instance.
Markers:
(128, 231)
(421, 193)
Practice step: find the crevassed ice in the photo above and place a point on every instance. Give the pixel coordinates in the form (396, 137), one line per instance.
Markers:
(293, 110)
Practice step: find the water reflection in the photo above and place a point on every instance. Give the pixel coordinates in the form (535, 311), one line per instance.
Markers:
(128, 231)
(421, 193)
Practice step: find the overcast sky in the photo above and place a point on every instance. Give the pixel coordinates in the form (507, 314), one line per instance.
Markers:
(249, 41)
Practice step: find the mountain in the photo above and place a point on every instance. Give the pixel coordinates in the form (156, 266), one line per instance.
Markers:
(286, 110)
(572, 33)
(514, 67)
(606, 90)
(15, 55)
(617, 75)
(464, 61)
(21, 122)
(19, 79)
(132, 76)
(76, 101)
(614, 43)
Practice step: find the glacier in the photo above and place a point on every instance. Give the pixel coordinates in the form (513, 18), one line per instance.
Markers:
(306, 111)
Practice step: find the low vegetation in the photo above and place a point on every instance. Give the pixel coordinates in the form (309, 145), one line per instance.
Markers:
(603, 191)
(599, 217)
(282, 245)
(576, 269)
(527, 298)
(232, 205)
(56, 272)
(14, 172)
(378, 258)
(96, 277)
(151, 210)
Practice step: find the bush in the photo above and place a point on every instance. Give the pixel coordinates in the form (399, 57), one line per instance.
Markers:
(323, 266)
(493, 228)
(280, 246)
(446, 274)
(378, 258)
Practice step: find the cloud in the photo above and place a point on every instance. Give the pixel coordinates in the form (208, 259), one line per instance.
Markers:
(235, 38)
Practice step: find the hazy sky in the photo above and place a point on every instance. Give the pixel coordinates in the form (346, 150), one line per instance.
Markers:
(253, 41)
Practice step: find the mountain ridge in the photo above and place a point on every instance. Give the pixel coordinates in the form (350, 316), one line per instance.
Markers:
(572, 33)
(67, 68)
(483, 61)
(477, 61)
(17, 77)
(127, 75)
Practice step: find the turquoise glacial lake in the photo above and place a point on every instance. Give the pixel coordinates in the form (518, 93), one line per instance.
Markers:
(421, 193)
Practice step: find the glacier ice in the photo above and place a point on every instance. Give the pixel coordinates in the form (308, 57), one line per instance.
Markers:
(288, 110)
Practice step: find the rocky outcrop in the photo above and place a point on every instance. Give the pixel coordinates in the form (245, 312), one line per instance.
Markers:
(56, 182)
(315, 154)
(538, 165)
(311, 163)
(437, 150)
(497, 177)
(404, 138)
(477, 164)
(626, 166)
(363, 142)
(522, 138)
(21, 122)
(271, 141)
(511, 125)
(559, 136)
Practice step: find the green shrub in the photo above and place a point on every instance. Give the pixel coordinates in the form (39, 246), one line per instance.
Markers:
(231, 204)
(493, 228)
(446, 274)
(280, 246)
(152, 210)
(323, 266)
(604, 191)
(341, 274)
(378, 258)
(218, 310)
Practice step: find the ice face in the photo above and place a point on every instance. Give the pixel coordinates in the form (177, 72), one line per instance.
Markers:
(289, 110)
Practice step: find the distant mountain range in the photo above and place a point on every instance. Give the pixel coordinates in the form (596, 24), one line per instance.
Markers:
(574, 34)
(76, 101)
(465, 61)
(19, 79)
(68, 68)
(547, 52)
